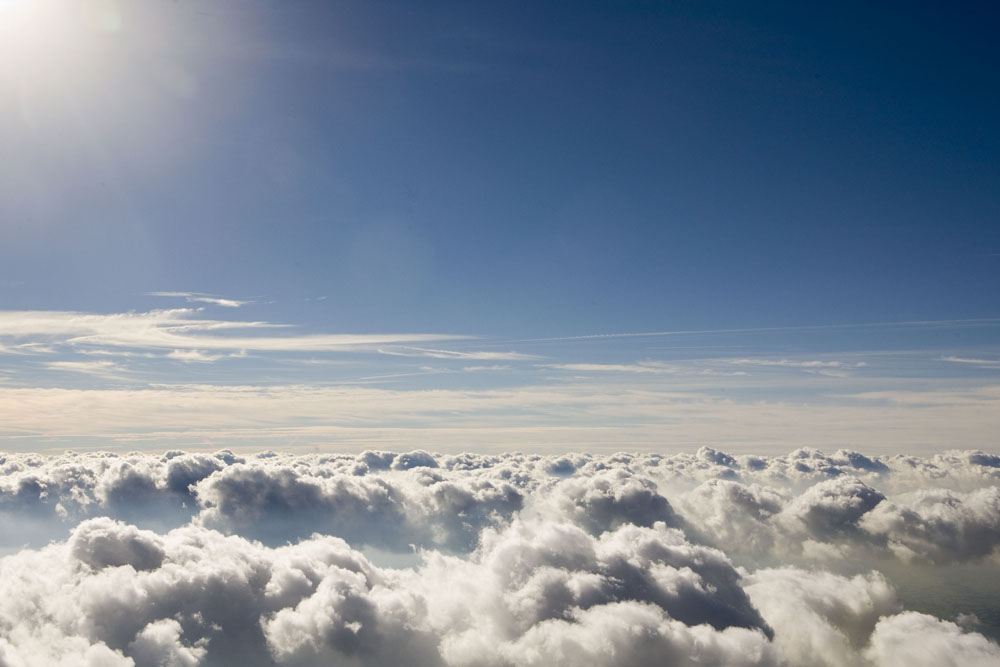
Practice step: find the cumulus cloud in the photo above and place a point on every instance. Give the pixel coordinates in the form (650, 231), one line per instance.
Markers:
(940, 526)
(821, 618)
(495, 560)
(609, 499)
(918, 639)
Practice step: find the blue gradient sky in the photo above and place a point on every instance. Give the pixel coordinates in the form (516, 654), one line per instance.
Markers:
(509, 172)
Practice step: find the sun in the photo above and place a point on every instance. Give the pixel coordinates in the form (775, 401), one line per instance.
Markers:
(49, 41)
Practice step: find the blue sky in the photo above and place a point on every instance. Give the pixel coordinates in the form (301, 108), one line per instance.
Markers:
(465, 179)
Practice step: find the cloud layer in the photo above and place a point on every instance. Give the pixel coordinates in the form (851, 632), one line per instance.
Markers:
(384, 558)
(225, 371)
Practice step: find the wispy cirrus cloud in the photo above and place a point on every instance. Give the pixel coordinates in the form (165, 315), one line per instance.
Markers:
(198, 356)
(641, 367)
(26, 349)
(455, 354)
(101, 368)
(795, 363)
(179, 329)
(200, 297)
(979, 397)
(687, 368)
(826, 368)
(904, 324)
(972, 361)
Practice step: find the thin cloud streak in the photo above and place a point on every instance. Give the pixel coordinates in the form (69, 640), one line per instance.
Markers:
(650, 367)
(196, 356)
(981, 363)
(454, 354)
(105, 369)
(985, 321)
(176, 329)
(830, 367)
(199, 297)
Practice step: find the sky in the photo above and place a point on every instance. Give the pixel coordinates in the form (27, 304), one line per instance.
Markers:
(493, 334)
(556, 226)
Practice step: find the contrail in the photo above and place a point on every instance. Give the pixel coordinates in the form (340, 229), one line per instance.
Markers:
(809, 327)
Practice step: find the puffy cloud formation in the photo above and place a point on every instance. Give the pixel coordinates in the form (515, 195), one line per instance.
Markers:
(938, 525)
(918, 639)
(493, 561)
(823, 619)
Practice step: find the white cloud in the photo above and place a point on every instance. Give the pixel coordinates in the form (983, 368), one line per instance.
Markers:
(909, 324)
(194, 356)
(938, 525)
(788, 363)
(575, 559)
(178, 329)
(820, 618)
(27, 349)
(971, 361)
(641, 367)
(911, 638)
(101, 368)
(454, 354)
(199, 297)
(983, 396)
(159, 643)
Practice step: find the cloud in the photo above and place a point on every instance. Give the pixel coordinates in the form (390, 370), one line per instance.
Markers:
(273, 397)
(914, 324)
(102, 368)
(609, 499)
(27, 349)
(972, 396)
(787, 363)
(821, 618)
(725, 512)
(919, 639)
(642, 367)
(453, 354)
(801, 506)
(979, 363)
(224, 600)
(159, 643)
(620, 633)
(832, 509)
(103, 543)
(199, 297)
(594, 415)
(489, 560)
(938, 525)
(274, 503)
(178, 329)
(825, 368)
(197, 356)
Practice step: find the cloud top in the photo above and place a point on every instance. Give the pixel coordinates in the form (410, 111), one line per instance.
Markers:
(491, 560)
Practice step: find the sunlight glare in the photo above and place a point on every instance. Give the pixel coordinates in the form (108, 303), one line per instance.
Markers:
(49, 43)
